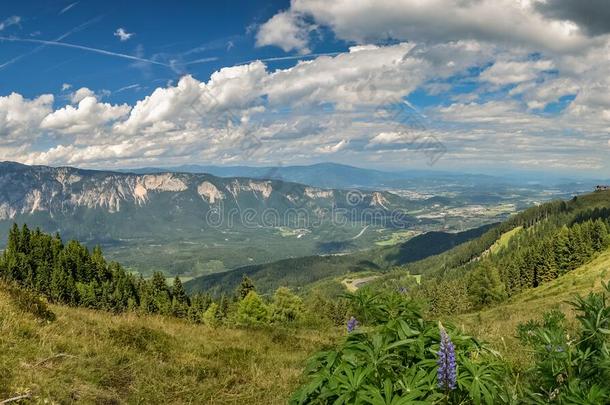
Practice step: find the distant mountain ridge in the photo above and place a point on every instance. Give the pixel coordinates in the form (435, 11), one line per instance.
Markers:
(30, 190)
(188, 223)
(335, 175)
(327, 175)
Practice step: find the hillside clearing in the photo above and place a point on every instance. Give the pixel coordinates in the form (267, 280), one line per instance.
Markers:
(95, 357)
(497, 325)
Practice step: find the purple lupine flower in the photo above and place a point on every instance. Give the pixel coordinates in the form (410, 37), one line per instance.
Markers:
(352, 324)
(447, 368)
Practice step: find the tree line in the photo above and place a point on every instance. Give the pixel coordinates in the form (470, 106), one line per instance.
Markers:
(533, 256)
(69, 273)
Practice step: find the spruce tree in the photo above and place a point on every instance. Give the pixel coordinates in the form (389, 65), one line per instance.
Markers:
(252, 310)
(180, 301)
(286, 306)
(244, 287)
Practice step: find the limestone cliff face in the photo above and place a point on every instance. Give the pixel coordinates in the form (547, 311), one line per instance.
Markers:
(26, 190)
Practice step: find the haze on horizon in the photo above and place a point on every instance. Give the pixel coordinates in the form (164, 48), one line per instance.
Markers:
(479, 86)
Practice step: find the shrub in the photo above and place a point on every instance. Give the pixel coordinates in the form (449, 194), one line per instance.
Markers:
(571, 369)
(30, 302)
(396, 360)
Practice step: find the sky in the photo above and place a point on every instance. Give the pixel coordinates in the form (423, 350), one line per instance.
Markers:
(469, 85)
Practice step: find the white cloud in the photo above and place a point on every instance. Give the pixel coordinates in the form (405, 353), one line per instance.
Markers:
(66, 87)
(509, 72)
(332, 148)
(20, 118)
(122, 34)
(89, 117)
(332, 105)
(286, 30)
(500, 21)
(80, 94)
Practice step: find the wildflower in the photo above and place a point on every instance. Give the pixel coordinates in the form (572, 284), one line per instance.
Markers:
(447, 368)
(352, 324)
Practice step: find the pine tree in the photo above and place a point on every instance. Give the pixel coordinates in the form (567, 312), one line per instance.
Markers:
(562, 250)
(161, 294)
(252, 310)
(245, 287)
(600, 236)
(180, 301)
(211, 316)
(286, 306)
(546, 266)
(485, 285)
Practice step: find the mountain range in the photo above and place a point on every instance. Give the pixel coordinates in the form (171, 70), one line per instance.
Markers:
(157, 221)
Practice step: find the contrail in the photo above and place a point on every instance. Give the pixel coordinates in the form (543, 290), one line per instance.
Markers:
(68, 7)
(38, 48)
(203, 60)
(280, 58)
(83, 48)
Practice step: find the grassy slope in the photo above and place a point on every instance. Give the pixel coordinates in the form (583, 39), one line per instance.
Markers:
(145, 359)
(497, 325)
(502, 242)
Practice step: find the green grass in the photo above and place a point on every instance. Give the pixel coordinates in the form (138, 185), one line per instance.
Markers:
(502, 242)
(497, 325)
(90, 356)
(397, 237)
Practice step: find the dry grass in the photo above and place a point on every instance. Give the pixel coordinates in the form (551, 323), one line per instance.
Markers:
(498, 325)
(95, 357)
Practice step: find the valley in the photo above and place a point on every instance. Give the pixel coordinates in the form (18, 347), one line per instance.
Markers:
(192, 224)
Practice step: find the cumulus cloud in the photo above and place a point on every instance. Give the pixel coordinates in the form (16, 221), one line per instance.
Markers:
(20, 118)
(286, 30)
(80, 94)
(89, 116)
(592, 15)
(500, 21)
(509, 72)
(334, 105)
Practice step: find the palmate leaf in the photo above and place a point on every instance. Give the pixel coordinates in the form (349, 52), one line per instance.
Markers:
(388, 396)
(347, 383)
(479, 380)
(417, 384)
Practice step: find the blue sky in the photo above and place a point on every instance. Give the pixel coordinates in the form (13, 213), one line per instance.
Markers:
(484, 86)
(162, 32)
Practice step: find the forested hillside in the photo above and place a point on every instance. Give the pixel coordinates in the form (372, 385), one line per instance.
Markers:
(537, 246)
(299, 272)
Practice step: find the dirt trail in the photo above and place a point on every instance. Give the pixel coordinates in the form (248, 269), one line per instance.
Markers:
(353, 285)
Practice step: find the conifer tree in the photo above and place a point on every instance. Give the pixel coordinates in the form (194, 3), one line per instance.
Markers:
(286, 306)
(252, 310)
(244, 287)
(562, 250)
(180, 300)
(211, 316)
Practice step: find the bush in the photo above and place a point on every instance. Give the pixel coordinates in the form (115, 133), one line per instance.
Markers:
(30, 302)
(571, 369)
(396, 360)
